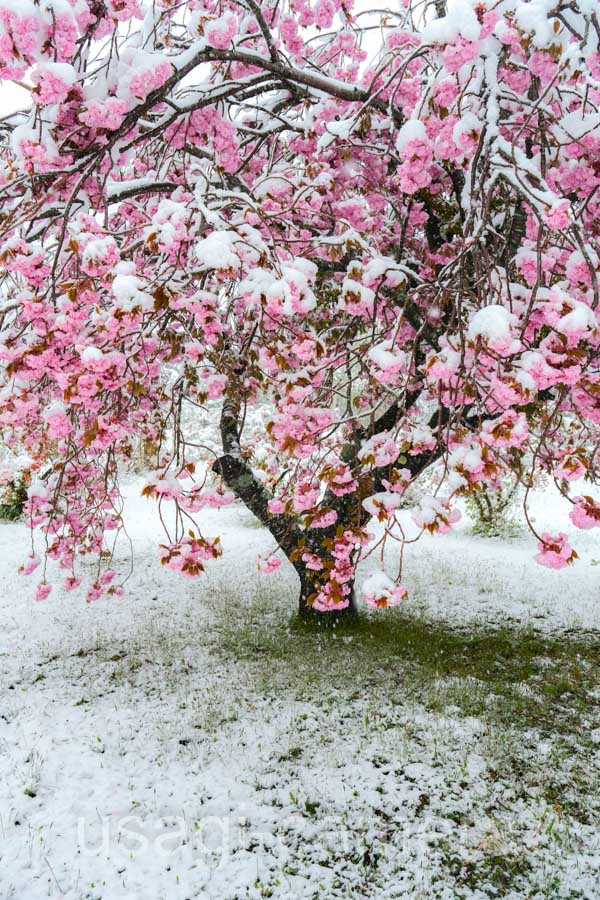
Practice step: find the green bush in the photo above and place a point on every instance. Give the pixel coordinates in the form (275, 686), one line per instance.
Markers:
(494, 510)
(13, 492)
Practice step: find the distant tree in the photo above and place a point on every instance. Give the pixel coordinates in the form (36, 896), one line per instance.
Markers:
(15, 477)
(385, 225)
(494, 509)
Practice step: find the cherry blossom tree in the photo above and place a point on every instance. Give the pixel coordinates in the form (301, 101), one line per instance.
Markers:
(380, 227)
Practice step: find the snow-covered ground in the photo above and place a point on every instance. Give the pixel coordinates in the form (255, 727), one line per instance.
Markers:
(184, 741)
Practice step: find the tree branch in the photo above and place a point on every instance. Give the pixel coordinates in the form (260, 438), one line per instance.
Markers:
(239, 477)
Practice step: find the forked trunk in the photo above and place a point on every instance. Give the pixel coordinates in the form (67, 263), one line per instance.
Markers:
(239, 477)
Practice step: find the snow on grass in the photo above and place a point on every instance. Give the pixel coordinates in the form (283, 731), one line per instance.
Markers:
(190, 740)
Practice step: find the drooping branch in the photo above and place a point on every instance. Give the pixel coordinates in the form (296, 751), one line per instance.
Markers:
(276, 200)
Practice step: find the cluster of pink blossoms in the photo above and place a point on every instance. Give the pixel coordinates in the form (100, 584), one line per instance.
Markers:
(381, 592)
(555, 551)
(335, 593)
(585, 513)
(189, 554)
(396, 254)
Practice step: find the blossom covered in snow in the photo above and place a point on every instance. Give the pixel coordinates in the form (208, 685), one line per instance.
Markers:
(43, 591)
(219, 33)
(495, 325)
(435, 515)
(221, 210)
(380, 450)
(381, 592)
(53, 82)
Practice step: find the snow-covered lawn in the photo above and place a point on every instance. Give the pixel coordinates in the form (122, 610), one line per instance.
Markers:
(189, 741)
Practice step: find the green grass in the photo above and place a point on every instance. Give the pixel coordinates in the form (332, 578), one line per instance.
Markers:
(504, 675)
(11, 512)
(536, 699)
(525, 687)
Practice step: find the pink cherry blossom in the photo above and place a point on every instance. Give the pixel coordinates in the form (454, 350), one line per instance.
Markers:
(559, 215)
(71, 583)
(585, 513)
(555, 552)
(268, 564)
(30, 565)
(300, 258)
(122, 10)
(381, 592)
(219, 33)
(43, 590)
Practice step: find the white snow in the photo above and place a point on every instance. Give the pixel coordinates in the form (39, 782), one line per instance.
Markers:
(56, 407)
(64, 71)
(466, 125)
(128, 288)
(216, 251)
(340, 129)
(384, 499)
(581, 318)
(91, 354)
(467, 457)
(378, 584)
(164, 745)
(575, 125)
(492, 322)
(96, 248)
(355, 292)
(533, 17)
(460, 20)
(384, 356)
(37, 488)
(412, 130)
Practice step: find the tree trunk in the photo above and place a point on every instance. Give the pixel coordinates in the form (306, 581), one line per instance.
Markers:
(238, 476)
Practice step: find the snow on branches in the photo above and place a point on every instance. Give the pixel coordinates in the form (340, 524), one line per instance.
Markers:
(395, 247)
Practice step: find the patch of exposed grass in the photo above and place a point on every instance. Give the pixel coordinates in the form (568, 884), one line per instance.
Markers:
(504, 675)
(498, 871)
(527, 689)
